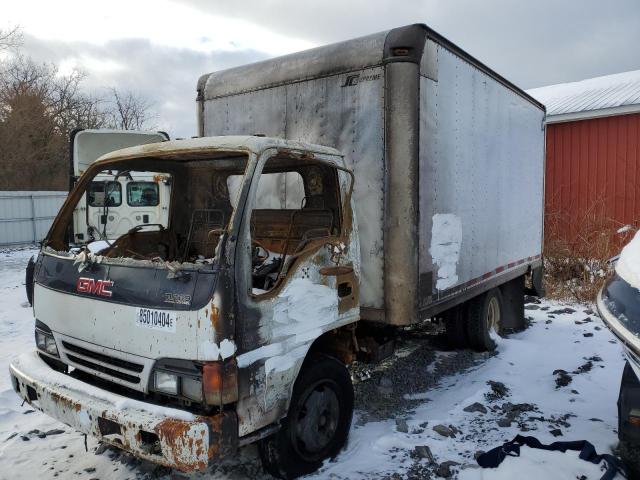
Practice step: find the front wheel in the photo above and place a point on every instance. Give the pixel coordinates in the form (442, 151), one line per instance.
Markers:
(318, 422)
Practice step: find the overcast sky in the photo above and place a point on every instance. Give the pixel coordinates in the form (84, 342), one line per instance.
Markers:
(159, 48)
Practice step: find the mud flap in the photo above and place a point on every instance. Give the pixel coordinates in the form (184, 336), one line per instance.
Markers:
(629, 407)
(513, 304)
(537, 287)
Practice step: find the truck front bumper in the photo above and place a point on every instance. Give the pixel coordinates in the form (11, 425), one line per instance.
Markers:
(167, 436)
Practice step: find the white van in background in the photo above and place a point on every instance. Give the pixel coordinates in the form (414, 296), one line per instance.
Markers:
(116, 201)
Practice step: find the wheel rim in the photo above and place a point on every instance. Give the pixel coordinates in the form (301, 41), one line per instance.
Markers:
(316, 420)
(493, 315)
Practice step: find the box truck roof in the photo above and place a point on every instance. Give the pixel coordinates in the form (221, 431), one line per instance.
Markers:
(400, 44)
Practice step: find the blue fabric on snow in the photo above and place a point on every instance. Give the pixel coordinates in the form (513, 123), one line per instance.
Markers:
(494, 457)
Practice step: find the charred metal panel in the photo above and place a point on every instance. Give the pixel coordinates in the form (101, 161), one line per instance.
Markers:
(481, 174)
(330, 60)
(401, 202)
(142, 286)
(279, 327)
(342, 111)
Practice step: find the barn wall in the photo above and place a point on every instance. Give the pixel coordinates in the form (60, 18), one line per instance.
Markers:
(592, 171)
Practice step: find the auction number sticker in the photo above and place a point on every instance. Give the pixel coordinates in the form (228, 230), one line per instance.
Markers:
(156, 319)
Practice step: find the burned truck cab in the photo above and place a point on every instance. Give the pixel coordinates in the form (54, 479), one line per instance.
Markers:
(180, 341)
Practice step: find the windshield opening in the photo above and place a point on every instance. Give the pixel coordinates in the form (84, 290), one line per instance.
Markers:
(155, 209)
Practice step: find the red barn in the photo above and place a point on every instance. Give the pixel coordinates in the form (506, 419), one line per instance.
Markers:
(592, 158)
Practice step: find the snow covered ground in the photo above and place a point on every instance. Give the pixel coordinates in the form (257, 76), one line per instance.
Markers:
(576, 402)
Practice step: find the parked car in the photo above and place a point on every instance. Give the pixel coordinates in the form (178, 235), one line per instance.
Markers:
(619, 307)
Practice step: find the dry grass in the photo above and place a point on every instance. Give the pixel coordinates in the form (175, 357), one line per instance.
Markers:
(577, 252)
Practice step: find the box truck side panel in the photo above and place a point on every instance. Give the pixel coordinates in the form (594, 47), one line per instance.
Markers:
(481, 177)
(344, 111)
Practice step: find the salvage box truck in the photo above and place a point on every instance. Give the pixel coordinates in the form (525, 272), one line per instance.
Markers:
(381, 181)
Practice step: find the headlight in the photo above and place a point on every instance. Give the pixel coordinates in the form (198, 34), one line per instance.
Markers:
(41, 342)
(178, 378)
(166, 382)
(192, 388)
(212, 383)
(45, 340)
(50, 346)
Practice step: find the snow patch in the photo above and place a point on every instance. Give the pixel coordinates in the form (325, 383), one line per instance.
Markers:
(446, 238)
(98, 245)
(302, 306)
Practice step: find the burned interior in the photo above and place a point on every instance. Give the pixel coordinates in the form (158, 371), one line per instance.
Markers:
(200, 208)
(296, 204)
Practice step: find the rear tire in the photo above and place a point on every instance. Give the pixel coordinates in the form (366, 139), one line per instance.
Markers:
(485, 319)
(318, 422)
(455, 321)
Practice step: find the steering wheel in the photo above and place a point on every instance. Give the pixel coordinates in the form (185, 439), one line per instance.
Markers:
(258, 259)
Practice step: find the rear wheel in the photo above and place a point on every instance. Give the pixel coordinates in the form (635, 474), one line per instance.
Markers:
(318, 422)
(485, 320)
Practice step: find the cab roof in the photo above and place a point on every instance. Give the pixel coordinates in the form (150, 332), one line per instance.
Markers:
(233, 143)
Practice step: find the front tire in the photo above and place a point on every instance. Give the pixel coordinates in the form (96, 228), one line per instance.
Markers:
(318, 422)
(486, 313)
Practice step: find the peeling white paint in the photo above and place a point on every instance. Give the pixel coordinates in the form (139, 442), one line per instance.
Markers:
(213, 351)
(285, 362)
(253, 356)
(299, 315)
(446, 238)
(227, 348)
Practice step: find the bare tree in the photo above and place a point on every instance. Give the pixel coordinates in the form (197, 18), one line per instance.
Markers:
(10, 38)
(129, 112)
(38, 109)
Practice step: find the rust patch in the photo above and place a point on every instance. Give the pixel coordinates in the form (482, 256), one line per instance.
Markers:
(65, 402)
(215, 316)
(173, 433)
(348, 288)
(336, 271)
(223, 435)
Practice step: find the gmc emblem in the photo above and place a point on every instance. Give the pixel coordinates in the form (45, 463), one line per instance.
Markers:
(94, 287)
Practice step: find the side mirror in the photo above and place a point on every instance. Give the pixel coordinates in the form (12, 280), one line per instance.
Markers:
(28, 279)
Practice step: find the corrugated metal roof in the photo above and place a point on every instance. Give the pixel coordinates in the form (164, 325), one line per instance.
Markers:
(593, 97)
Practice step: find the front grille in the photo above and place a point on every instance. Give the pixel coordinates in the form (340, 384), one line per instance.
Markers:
(103, 369)
(116, 362)
(73, 351)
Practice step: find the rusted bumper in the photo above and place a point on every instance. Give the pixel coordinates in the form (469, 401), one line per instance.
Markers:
(167, 436)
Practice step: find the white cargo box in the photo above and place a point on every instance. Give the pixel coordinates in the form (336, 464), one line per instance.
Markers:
(448, 158)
